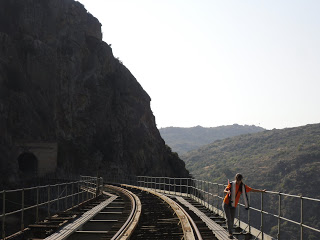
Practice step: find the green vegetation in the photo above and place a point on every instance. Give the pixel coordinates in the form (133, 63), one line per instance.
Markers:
(182, 140)
(271, 159)
(286, 160)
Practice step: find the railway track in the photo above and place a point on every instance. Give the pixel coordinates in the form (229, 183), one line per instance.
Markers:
(111, 215)
(114, 218)
(41, 230)
(127, 212)
(211, 225)
(160, 219)
(204, 224)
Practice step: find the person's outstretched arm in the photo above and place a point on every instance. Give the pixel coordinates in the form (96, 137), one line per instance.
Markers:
(257, 190)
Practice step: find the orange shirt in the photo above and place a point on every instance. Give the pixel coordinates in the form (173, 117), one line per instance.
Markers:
(226, 199)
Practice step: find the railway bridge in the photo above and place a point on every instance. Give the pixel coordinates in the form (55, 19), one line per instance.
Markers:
(145, 207)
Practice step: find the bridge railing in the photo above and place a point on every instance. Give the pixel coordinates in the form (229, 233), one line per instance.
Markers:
(21, 207)
(268, 213)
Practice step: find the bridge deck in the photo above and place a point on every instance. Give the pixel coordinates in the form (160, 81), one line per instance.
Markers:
(218, 231)
(73, 226)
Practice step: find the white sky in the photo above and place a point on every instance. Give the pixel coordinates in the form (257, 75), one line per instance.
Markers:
(213, 63)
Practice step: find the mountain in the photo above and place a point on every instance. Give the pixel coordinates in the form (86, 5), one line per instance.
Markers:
(65, 97)
(286, 160)
(183, 140)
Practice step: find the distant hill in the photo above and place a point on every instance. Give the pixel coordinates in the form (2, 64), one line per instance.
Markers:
(182, 140)
(286, 160)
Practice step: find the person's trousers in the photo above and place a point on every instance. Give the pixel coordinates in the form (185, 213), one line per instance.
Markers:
(230, 213)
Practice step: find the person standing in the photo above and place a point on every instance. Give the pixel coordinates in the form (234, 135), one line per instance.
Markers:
(230, 202)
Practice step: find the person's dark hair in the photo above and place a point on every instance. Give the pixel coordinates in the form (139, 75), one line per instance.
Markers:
(239, 177)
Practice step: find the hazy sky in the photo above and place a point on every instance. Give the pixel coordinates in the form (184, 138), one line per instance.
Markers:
(213, 63)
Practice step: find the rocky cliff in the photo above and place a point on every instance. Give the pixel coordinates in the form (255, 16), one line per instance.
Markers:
(60, 83)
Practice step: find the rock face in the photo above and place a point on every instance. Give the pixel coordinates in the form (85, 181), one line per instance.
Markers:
(59, 82)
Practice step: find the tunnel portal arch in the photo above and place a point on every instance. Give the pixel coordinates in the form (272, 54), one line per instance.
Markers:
(28, 164)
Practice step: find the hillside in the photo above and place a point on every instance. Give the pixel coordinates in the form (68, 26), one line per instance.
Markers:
(183, 140)
(271, 159)
(286, 160)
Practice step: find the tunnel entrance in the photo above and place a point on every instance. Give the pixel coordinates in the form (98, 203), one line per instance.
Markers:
(28, 164)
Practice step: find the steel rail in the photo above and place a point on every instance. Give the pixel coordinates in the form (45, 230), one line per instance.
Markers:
(188, 233)
(193, 224)
(128, 227)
